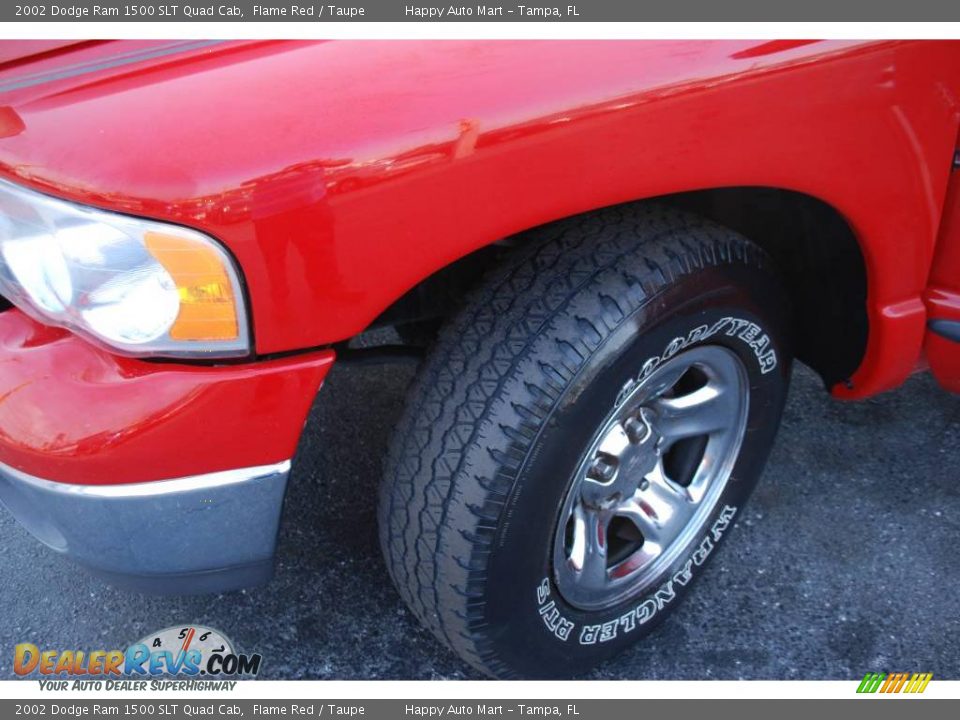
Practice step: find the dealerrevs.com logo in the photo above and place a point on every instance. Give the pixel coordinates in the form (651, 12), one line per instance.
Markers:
(186, 651)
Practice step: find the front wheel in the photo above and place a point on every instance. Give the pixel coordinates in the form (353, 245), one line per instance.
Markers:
(583, 436)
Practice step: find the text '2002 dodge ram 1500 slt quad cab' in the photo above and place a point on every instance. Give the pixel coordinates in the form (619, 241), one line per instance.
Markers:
(608, 252)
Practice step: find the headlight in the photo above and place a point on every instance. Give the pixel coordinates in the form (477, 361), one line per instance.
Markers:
(137, 286)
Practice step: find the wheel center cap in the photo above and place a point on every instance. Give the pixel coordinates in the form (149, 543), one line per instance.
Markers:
(631, 452)
(637, 465)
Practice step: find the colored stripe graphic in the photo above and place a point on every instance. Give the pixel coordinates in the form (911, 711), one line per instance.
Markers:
(894, 682)
(871, 682)
(918, 683)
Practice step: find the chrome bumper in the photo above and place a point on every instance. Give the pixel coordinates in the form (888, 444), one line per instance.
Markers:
(206, 533)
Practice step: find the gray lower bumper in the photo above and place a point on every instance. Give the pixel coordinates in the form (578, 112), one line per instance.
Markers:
(206, 533)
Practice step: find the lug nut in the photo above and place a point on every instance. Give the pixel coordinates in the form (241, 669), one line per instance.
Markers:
(637, 430)
(602, 470)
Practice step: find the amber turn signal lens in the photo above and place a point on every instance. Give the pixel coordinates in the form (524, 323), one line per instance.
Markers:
(207, 303)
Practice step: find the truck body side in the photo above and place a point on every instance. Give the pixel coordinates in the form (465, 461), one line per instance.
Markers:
(341, 175)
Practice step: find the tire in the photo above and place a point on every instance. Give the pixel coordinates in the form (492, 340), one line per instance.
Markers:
(501, 458)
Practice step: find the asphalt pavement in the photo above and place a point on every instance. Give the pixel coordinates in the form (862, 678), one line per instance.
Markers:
(846, 559)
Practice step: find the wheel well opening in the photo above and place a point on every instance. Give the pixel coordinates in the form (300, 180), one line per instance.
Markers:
(820, 260)
(816, 251)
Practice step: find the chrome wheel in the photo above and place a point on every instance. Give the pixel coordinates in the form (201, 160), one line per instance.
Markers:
(651, 477)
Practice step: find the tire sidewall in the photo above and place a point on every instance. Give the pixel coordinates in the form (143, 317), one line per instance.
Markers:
(537, 633)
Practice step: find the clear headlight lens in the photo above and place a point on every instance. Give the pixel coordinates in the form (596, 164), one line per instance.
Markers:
(139, 287)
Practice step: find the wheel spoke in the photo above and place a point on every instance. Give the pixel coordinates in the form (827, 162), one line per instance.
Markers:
(588, 553)
(701, 478)
(663, 488)
(665, 378)
(644, 517)
(647, 553)
(701, 412)
(661, 505)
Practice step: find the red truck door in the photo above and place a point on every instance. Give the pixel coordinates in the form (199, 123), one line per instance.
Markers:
(942, 342)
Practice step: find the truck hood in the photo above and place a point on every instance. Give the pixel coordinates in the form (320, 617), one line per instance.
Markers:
(14, 52)
(31, 69)
(177, 128)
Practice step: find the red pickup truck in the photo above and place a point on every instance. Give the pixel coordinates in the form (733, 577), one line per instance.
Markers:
(608, 254)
